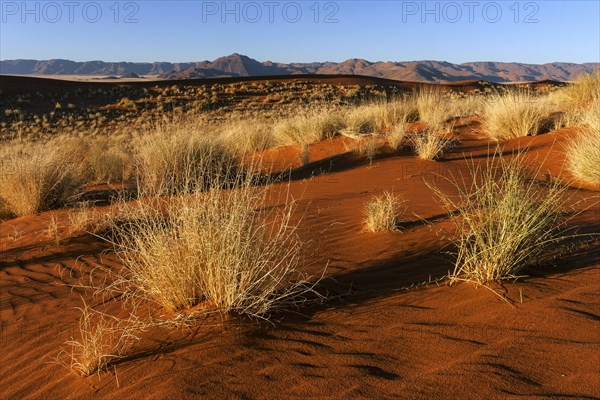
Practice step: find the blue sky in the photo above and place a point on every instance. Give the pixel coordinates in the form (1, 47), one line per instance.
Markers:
(302, 31)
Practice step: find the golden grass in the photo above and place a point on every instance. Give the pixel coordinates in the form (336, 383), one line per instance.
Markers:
(224, 247)
(102, 340)
(305, 154)
(108, 161)
(308, 126)
(397, 136)
(247, 135)
(515, 114)
(36, 177)
(361, 120)
(590, 116)
(583, 155)
(379, 116)
(312, 125)
(585, 90)
(434, 108)
(430, 145)
(468, 105)
(172, 158)
(384, 213)
(367, 147)
(505, 221)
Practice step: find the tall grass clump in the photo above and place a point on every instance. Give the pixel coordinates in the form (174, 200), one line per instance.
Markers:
(384, 213)
(247, 135)
(107, 161)
(468, 105)
(590, 116)
(434, 108)
(504, 221)
(583, 153)
(173, 160)
(36, 177)
(397, 136)
(367, 147)
(376, 117)
(308, 126)
(430, 145)
(584, 90)
(515, 114)
(224, 248)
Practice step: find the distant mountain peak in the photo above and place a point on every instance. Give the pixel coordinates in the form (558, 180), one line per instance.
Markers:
(237, 64)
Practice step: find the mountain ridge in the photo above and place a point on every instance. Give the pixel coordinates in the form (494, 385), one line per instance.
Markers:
(238, 65)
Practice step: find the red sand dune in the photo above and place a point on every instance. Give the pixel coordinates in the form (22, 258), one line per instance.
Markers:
(372, 339)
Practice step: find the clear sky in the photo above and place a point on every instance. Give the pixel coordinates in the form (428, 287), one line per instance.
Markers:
(302, 31)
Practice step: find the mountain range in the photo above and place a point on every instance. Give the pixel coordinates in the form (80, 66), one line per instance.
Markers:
(239, 65)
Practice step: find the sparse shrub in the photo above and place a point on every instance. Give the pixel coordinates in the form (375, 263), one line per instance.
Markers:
(384, 212)
(515, 114)
(504, 221)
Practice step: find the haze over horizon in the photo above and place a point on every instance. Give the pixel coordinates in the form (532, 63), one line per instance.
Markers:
(289, 32)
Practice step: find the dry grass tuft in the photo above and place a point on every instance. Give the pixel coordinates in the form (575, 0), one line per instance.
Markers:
(585, 90)
(173, 158)
(361, 120)
(471, 104)
(39, 176)
(305, 154)
(103, 339)
(308, 126)
(430, 145)
(107, 161)
(384, 213)
(515, 114)
(583, 155)
(223, 247)
(368, 147)
(397, 135)
(434, 108)
(590, 116)
(247, 135)
(505, 222)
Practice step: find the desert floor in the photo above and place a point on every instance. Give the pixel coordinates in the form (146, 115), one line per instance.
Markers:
(374, 337)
